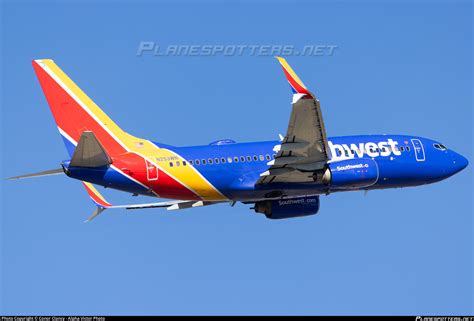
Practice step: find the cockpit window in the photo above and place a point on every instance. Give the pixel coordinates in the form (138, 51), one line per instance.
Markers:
(439, 146)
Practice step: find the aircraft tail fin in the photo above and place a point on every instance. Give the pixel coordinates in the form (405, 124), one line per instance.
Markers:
(75, 113)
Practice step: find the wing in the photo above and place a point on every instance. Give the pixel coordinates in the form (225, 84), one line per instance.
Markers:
(304, 149)
(102, 204)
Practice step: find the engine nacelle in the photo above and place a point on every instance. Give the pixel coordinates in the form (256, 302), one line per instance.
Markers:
(351, 173)
(288, 208)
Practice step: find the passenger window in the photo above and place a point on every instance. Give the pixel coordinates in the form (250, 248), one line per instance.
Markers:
(171, 164)
(242, 158)
(197, 162)
(190, 162)
(255, 158)
(223, 160)
(261, 157)
(442, 147)
(216, 160)
(184, 163)
(236, 159)
(402, 148)
(209, 161)
(408, 148)
(274, 156)
(203, 161)
(177, 163)
(268, 157)
(229, 159)
(249, 159)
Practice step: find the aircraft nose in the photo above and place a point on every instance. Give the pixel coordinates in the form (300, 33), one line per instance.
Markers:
(459, 162)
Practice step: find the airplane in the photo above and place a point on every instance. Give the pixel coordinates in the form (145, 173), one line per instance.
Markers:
(280, 179)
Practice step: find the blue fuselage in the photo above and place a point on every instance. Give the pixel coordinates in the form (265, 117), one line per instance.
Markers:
(234, 169)
(407, 161)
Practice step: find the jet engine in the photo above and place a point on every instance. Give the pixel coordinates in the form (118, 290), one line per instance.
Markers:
(351, 173)
(288, 208)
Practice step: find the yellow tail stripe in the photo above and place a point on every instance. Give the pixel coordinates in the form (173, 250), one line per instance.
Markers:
(188, 176)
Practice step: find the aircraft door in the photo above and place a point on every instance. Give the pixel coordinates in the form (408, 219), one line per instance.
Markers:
(151, 171)
(419, 150)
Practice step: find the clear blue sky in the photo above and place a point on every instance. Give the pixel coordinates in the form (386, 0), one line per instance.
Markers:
(399, 68)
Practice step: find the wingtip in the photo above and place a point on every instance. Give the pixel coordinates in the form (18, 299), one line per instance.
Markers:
(96, 213)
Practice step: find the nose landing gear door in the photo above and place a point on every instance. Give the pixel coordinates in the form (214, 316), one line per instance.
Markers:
(419, 151)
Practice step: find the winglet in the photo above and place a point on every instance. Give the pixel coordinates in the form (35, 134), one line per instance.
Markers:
(97, 211)
(296, 84)
(96, 197)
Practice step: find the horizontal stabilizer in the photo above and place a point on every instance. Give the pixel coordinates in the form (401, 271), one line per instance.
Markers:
(39, 174)
(90, 152)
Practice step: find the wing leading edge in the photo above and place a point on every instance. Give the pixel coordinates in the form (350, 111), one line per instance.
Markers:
(304, 149)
